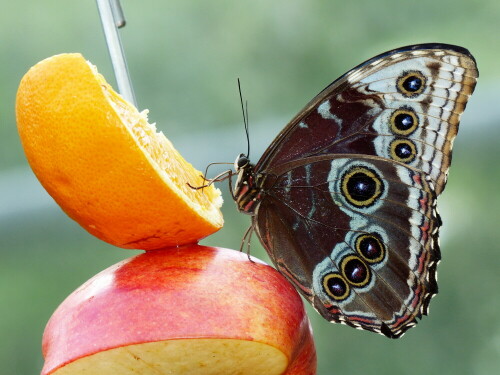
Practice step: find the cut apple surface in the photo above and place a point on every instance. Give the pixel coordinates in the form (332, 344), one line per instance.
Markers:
(187, 310)
(183, 356)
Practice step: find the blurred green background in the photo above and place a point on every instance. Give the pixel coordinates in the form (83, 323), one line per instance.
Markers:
(184, 57)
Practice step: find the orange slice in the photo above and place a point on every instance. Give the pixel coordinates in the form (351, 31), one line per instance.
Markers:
(104, 164)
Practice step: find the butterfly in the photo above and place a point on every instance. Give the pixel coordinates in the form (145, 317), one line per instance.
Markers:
(344, 198)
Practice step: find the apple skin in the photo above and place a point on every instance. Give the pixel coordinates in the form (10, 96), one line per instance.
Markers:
(185, 292)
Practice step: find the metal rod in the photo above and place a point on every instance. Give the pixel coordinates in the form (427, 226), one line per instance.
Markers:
(112, 17)
(118, 15)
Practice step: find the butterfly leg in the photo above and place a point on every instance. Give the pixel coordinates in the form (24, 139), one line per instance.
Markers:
(220, 177)
(246, 240)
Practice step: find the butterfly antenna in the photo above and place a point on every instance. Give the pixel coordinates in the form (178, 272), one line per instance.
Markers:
(246, 130)
(244, 110)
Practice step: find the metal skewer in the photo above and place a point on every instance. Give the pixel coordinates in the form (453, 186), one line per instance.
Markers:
(112, 18)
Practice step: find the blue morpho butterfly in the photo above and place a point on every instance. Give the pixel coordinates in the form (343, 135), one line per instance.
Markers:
(344, 199)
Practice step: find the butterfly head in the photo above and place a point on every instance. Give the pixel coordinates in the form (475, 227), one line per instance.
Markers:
(241, 162)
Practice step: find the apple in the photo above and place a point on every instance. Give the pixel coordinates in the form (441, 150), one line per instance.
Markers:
(184, 310)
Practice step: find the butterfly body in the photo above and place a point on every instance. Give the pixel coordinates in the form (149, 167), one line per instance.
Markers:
(344, 199)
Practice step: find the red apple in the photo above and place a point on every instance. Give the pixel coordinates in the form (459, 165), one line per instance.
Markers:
(188, 310)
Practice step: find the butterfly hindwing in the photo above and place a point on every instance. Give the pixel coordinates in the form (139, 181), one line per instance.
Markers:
(344, 199)
(311, 243)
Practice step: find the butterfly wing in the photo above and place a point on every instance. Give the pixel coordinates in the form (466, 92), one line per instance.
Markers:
(367, 258)
(369, 111)
(348, 208)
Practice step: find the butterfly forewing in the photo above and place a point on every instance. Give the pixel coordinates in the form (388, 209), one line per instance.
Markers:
(358, 113)
(344, 199)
